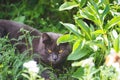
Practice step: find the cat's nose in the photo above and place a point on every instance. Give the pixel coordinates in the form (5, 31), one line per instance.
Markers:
(54, 57)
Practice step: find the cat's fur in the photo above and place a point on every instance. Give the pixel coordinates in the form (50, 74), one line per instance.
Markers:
(44, 44)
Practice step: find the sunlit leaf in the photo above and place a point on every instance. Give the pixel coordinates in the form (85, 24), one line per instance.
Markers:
(84, 27)
(66, 38)
(115, 34)
(94, 7)
(68, 6)
(72, 28)
(86, 14)
(116, 44)
(112, 22)
(79, 42)
(98, 32)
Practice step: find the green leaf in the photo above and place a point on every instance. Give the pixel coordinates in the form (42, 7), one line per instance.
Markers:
(106, 10)
(79, 73)
(76, 44)
(98, 43)
(84, 28)
(66, 38)
(94, 7)
(68, 6)
(112, 22)
(106, 1)
(20, 19)
(25, 75)
(85, 13)
(116, 44)
(82, 3)
(72, 28)
(79, 42)
(78, 53)
(98, 32)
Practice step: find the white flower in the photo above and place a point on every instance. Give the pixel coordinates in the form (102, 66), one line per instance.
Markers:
(31, 66)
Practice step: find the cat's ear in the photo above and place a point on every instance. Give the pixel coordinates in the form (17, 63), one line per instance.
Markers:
(46, 38)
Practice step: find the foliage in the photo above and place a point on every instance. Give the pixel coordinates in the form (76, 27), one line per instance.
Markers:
(37, 13)
(10, 63)
(95, 32)
(94, 29)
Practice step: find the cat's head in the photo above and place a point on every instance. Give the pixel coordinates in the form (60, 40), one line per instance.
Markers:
(52, 53)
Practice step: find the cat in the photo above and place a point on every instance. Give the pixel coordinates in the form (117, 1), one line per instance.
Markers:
(44, 44)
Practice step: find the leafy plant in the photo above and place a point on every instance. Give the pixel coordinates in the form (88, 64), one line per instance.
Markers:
(91, 39)
(9, 61)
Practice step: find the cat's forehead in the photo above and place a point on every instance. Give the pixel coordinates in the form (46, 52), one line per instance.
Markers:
(55, 46)
(54, 36)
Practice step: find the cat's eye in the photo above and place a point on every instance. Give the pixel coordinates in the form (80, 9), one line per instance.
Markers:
(60, 51)
(49, 51)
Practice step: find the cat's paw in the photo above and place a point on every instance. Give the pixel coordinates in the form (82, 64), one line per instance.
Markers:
(48, 75)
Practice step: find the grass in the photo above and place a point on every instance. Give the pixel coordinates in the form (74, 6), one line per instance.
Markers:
(11, 64)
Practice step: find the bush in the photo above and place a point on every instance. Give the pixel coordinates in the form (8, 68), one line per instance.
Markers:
(94, 38)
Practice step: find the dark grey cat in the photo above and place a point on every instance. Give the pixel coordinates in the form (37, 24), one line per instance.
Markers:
(44, 44)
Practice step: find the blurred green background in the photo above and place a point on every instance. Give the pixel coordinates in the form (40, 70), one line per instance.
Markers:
(41, 14)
